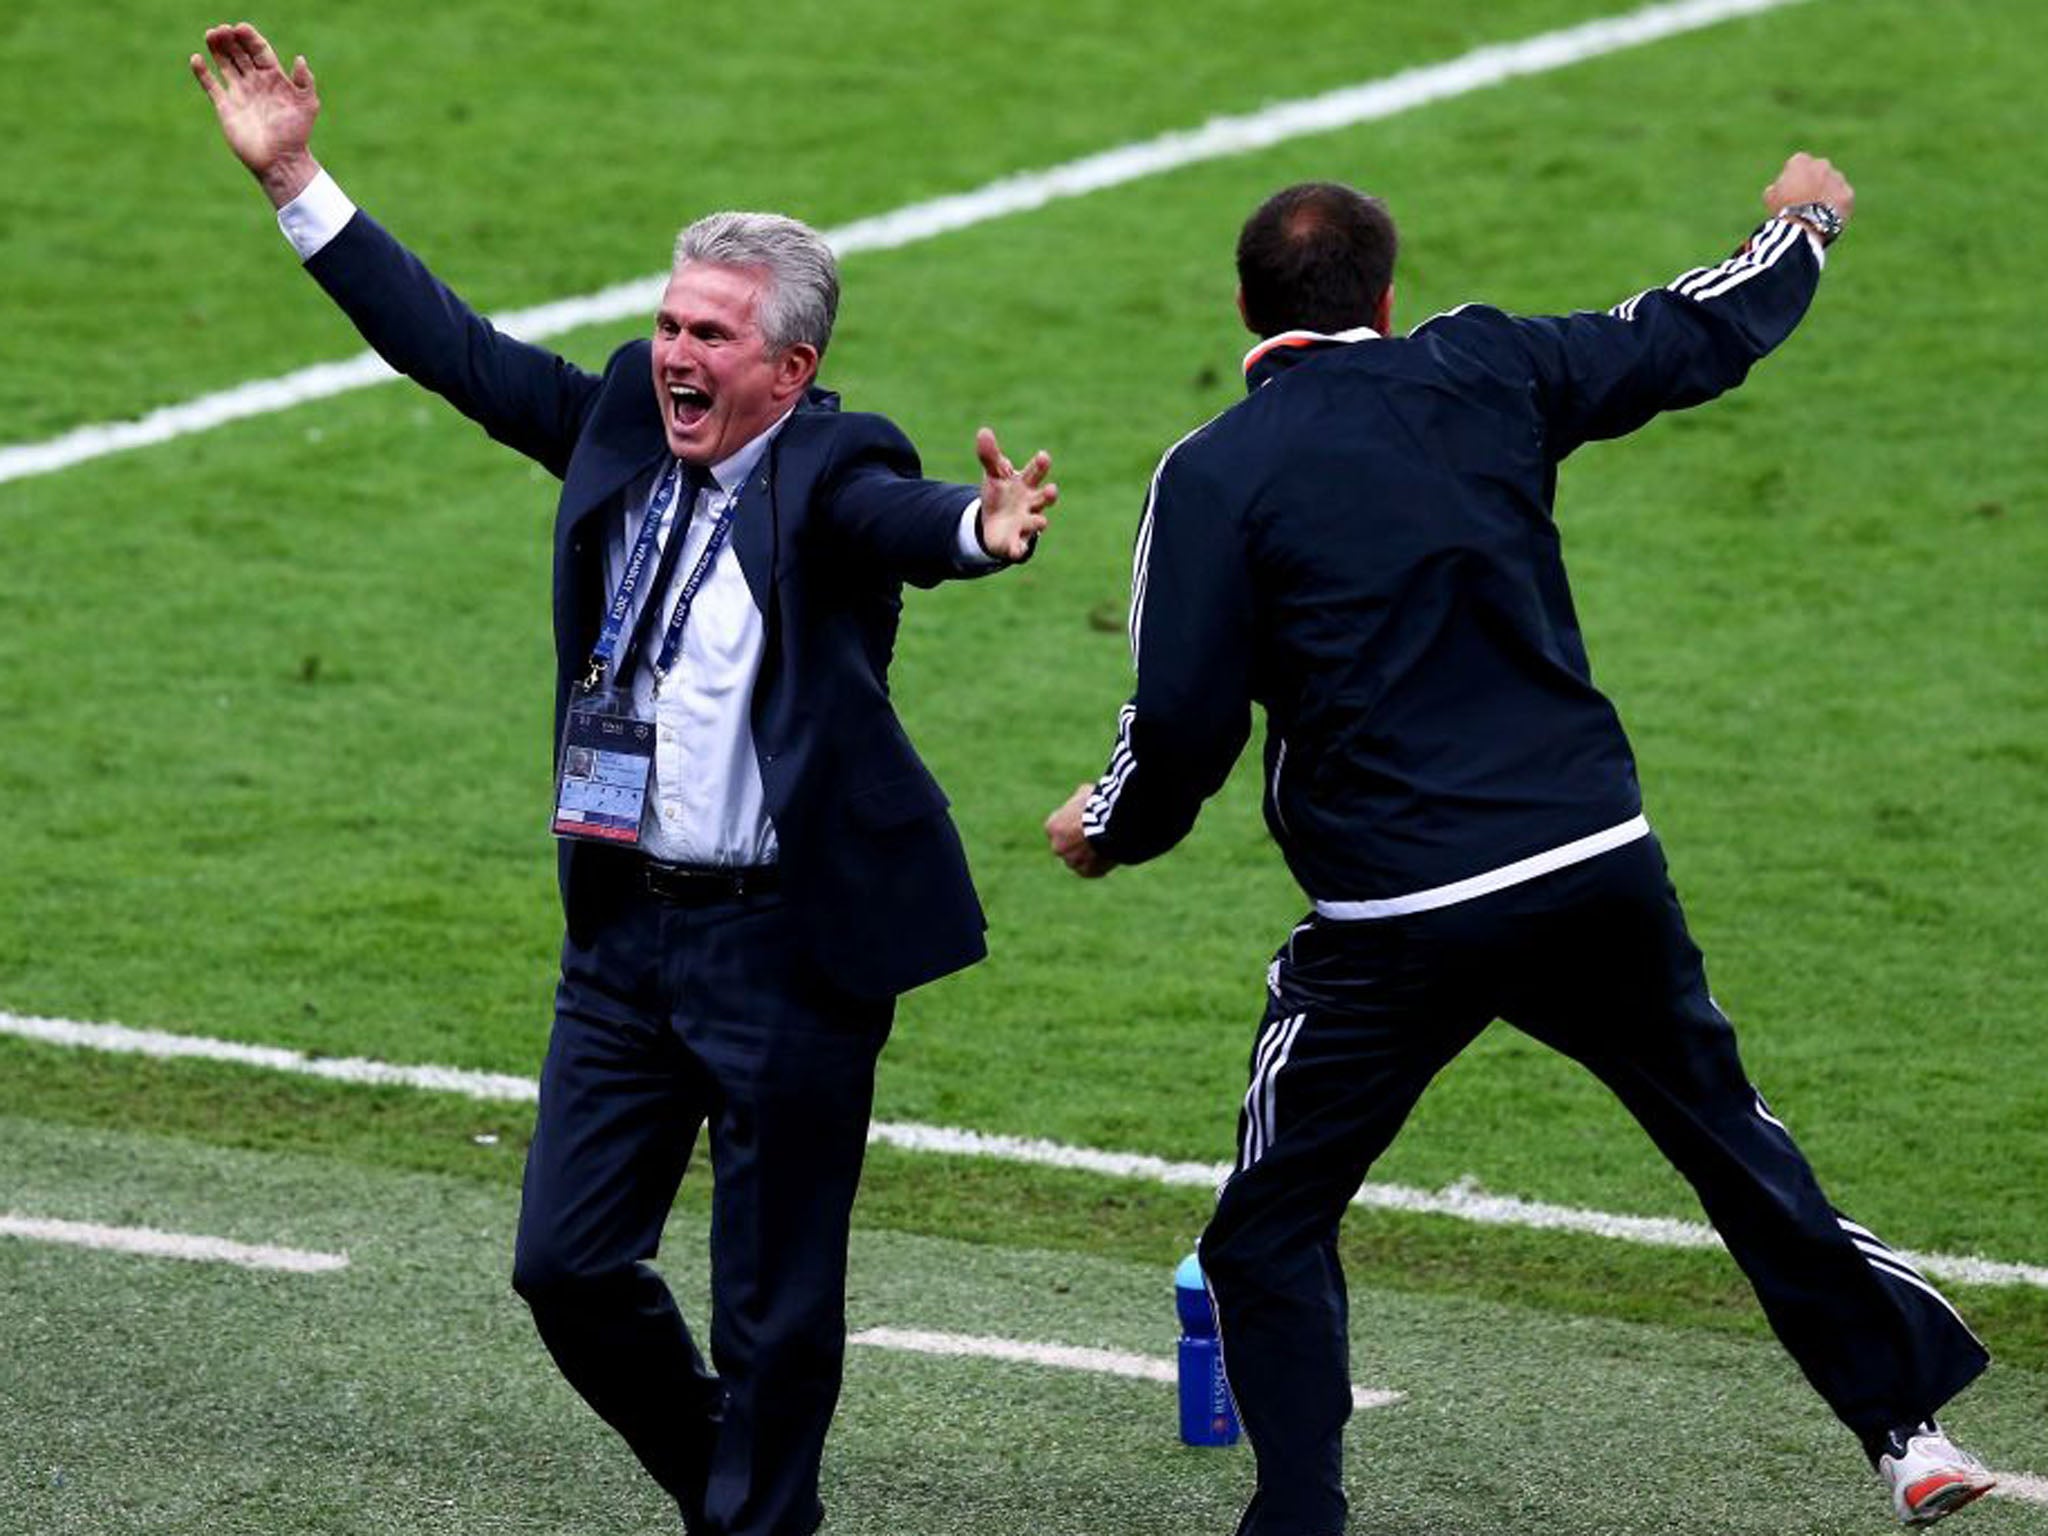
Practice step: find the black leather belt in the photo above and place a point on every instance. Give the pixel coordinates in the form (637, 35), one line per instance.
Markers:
(690, 885)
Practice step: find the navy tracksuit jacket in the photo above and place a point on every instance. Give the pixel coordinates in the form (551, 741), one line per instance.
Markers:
(1365, 547)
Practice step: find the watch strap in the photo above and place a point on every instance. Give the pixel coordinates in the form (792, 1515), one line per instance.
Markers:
(1824, 219)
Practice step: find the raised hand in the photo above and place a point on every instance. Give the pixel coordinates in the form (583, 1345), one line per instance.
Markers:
(266, 115)
(1013, 502)
(1810, 179)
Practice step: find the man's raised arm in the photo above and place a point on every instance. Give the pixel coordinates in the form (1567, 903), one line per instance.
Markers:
(1604, 375)
(524, 396)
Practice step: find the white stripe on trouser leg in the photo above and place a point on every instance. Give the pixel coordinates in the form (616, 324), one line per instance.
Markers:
(1880, 1257)
(1259, 1097)
(1250, 1147)
(1253, 1146)
(1858, 1230)
(1763, 1112)
(1273, 1077)
(1262, 1055)
(1884, 1264)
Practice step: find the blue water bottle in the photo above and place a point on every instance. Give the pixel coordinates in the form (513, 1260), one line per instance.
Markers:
(1207, 1415)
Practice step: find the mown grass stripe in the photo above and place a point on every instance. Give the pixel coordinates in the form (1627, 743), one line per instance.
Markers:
(1219, 138)
(1463, 1201)
(148, 1242)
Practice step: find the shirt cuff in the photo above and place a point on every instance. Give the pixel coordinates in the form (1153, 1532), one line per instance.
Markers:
(972, 555)
(315, 216)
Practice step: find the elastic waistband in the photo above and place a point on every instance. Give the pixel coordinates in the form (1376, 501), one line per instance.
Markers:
(1531, 868)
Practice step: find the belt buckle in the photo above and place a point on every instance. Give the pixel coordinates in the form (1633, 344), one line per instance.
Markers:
(669, 882)
(684, 885)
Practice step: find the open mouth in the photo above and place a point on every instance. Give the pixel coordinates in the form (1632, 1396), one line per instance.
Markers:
(687, 406)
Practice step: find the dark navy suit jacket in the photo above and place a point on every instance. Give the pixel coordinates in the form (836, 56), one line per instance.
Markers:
(830, 524)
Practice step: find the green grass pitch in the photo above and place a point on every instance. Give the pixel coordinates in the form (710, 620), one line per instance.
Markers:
(406, 1395)
(1819, 605)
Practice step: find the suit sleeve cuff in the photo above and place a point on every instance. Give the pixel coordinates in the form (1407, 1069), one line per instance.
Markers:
(315, 216)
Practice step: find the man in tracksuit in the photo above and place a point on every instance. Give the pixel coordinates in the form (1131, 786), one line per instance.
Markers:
(1365, 547)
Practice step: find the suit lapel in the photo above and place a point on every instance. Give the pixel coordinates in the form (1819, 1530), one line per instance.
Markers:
(600, 485)
(753, 534)
(772, 508)
(585, 522)
(622, 441)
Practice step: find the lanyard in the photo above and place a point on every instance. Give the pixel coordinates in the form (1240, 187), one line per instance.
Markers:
(672, 642)
(658, 505)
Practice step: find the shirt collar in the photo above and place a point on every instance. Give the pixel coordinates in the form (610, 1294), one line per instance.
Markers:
(732, 471)
(1276, 354)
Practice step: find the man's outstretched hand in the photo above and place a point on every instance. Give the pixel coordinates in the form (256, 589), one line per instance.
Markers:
(265, 114)
(1013, 501)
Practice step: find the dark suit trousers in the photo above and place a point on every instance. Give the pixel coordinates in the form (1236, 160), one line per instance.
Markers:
(671, 1018)
(1595, 961)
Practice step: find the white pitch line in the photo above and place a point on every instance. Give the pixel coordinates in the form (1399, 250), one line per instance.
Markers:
(166, 1046)
(1109, 1362)
(1059, 1357)
(1217, 139)
(2020, 1485)
(1462, 1201)
(150, 1243)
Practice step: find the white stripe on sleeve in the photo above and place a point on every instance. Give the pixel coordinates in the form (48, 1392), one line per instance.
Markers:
(1141, 553)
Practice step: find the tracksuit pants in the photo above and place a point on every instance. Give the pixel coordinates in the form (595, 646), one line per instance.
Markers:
(668, 1019)
(1593, 960)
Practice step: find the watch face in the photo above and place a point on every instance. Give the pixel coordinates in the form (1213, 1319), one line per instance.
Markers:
(1821, 216)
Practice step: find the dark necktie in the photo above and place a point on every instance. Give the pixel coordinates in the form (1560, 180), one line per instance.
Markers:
(695, 478)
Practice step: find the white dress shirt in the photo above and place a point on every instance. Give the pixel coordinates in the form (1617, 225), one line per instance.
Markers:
(704, 795)
(704, 802)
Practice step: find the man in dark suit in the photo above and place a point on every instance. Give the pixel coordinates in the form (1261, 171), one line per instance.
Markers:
(754, 861)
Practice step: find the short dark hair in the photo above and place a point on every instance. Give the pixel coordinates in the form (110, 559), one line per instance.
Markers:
(1315, 257)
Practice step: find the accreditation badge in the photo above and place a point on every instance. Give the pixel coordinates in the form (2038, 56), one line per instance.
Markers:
(607, 757)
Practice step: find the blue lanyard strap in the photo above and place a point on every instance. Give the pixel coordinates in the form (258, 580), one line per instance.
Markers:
(643, 550)
(673, 641)
(629, 581)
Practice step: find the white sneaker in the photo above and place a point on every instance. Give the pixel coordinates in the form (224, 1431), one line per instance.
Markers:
(1931, 1476)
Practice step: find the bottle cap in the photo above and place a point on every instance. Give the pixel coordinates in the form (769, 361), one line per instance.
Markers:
(1191, 1300)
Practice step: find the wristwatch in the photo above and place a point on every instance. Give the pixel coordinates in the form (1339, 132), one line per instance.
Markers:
(1826, 222)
